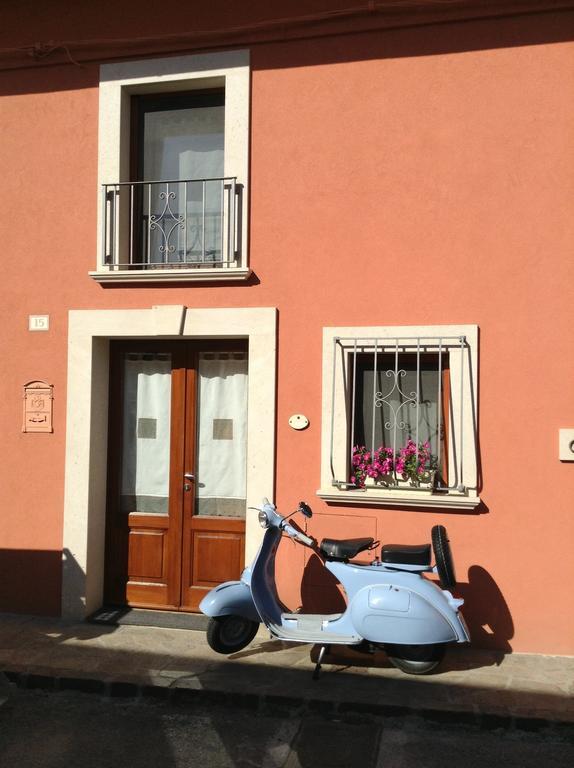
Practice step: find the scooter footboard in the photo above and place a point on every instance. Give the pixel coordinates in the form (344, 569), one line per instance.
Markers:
(232, 597)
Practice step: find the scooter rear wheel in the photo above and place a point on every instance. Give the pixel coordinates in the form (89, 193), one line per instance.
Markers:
(231, 633)
(415, 659)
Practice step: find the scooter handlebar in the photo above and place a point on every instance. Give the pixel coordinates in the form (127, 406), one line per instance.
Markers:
(295, 534)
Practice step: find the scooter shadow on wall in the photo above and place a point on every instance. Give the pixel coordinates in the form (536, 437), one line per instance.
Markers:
(486, 612)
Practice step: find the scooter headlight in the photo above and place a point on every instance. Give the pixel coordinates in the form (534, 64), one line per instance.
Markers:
(262, 517)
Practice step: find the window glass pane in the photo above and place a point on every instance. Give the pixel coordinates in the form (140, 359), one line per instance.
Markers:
(222, 434)
(398, 402)
(183, 143)
(146, 433)
(183, 221)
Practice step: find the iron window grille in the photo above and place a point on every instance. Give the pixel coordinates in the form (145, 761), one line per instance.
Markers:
(400, 389)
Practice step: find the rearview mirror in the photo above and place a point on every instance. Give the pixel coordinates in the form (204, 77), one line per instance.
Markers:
(305, 509)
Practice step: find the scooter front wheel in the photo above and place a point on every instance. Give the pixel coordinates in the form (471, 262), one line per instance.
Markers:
(415, 659)
(231, 633)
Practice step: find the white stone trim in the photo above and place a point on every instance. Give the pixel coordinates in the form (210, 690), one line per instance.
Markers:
(399, 497)
(227, 69)
(89, 333)
(374, 497)
(233, 274)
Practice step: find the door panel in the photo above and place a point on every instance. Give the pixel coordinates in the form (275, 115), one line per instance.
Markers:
(213, 552)
(145, 554)
(214, 520)
(159, 551)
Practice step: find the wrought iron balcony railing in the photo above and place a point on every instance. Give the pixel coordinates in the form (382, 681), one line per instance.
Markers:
(177, 224)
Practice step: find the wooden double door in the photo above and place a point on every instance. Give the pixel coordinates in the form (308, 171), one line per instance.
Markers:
(175, 523)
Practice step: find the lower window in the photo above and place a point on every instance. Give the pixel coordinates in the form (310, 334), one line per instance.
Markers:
(399, 409)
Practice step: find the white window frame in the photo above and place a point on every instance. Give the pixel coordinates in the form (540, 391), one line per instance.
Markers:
(335, 430)
(118, 82)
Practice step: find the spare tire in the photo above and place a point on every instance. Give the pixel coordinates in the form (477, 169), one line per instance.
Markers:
(443, 557)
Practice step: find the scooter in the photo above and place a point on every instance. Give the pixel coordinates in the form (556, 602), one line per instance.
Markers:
(390, 603)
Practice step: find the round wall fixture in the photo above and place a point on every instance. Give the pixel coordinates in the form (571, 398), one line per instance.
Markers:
(298, 421)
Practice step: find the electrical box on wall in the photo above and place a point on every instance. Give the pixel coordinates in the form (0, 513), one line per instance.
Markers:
(566, 444)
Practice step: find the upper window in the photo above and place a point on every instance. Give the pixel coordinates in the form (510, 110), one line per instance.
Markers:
(173, 169)
(179, 199)
(399, 413)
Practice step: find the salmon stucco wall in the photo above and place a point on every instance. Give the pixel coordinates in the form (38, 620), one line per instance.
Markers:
(403, 177)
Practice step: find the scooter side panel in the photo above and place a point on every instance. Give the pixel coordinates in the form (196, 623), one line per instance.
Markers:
(232, 597)
(386, 613)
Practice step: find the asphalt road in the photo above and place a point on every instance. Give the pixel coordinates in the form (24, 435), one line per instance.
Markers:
(54, 730)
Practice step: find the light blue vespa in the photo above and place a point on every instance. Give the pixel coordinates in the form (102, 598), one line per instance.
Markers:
(389, 601)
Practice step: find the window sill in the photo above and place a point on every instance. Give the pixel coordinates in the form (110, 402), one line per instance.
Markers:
(235, 274)
(426, 499)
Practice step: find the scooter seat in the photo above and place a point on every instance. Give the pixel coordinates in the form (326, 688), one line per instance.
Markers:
(408, 554)
(343, 549)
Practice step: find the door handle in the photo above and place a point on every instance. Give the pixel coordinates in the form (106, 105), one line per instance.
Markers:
(189, 476)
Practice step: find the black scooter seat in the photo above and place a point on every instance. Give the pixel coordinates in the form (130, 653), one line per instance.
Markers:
(343, 549)
(408, 554)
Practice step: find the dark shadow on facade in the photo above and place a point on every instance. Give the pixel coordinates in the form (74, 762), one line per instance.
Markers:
(66, 57)
(486, 611)
(31, 581)
(320, 590)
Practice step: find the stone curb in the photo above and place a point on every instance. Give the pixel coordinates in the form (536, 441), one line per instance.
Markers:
(278, 705)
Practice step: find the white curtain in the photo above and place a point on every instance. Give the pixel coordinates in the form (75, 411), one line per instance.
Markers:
(146, 434)
(184, 143)
(222, 439)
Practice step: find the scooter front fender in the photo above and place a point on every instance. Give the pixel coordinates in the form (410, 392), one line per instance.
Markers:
(232, 597)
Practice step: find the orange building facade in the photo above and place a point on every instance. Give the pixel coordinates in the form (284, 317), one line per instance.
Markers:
(307, 251)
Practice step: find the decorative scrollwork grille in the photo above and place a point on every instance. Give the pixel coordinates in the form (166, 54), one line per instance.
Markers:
(182, 223)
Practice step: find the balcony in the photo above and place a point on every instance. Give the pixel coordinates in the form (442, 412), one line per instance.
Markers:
(176, 230)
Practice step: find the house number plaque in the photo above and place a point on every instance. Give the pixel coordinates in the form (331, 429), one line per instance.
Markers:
(38, 398)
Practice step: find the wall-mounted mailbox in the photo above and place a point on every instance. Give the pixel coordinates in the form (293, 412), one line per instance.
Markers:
(38, 398)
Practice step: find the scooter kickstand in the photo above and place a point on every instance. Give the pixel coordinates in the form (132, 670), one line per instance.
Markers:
(324, 649)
